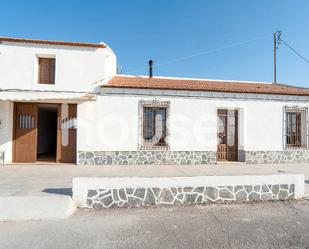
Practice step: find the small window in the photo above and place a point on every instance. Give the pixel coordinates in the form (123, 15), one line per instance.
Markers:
(154, 127)
(296, 127)
(69, 123)
(26, 121)
(47, 70)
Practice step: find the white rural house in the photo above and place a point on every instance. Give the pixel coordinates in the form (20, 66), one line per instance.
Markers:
(63, 102)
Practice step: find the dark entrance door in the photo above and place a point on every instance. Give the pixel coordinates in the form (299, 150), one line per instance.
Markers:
(47, 132)
(227, 135)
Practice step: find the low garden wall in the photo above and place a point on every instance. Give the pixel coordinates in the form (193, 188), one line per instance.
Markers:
(112, 192)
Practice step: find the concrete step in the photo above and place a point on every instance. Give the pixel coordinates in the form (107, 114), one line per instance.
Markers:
(21, 208)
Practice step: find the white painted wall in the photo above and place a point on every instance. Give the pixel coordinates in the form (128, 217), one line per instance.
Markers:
(112, 123)
(6, 133)
(77, 68)
(109, 123)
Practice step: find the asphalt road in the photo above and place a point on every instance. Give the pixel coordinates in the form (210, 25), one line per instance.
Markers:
(263, 225)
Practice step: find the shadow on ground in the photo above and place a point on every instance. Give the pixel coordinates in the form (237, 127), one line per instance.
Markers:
(58, 191)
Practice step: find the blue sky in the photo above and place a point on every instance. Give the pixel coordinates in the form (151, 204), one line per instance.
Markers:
(165, 30)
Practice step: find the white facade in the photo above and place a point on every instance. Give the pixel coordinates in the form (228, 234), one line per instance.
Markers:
(111, 122)
(78, 71)
(77, 68)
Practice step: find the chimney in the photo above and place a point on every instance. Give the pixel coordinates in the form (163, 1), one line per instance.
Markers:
(150, 68)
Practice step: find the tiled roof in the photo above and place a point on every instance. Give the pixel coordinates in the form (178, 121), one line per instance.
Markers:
(45, 42)
(204, 85)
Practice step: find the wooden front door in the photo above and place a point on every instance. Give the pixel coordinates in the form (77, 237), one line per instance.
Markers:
(25, 133)
(227, 149)
(66, 148)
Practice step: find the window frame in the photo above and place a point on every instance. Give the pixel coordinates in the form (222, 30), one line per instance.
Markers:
(51, 79)
(301, 135)
(143, 144)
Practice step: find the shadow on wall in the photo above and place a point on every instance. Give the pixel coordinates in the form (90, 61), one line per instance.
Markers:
(6, 119)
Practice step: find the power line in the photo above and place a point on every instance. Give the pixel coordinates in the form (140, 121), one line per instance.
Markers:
(201, 53)
(191, 56)
(294, 50)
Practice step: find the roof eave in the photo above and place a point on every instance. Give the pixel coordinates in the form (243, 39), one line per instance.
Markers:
(55, 43)
(201, 90)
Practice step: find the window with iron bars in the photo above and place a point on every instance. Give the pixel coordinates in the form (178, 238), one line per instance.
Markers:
(296, 127)
(154, 125)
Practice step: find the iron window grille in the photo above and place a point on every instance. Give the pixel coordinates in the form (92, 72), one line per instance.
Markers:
(295, 127)
(26, 121)
(154, 128)
(68, 123)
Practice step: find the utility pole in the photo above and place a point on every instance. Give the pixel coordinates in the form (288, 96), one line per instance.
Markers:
(277, 36)
(275, 57)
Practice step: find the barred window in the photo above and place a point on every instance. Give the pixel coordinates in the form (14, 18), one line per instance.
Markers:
(296, 127)
(26, 121)
(68, 123)
(154, 125)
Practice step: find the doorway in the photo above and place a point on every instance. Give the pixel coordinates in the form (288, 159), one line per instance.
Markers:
(47, 133)
(44, 133)
(227, 149)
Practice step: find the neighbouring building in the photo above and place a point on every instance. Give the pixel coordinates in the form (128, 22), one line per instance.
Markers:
(64, 102)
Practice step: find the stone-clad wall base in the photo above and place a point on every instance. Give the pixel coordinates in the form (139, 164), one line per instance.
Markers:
(135, 197)
(146, 157)
(286, 156)
(1, 157)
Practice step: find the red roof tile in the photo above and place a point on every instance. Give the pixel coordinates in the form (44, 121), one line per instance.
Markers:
(204, 85)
